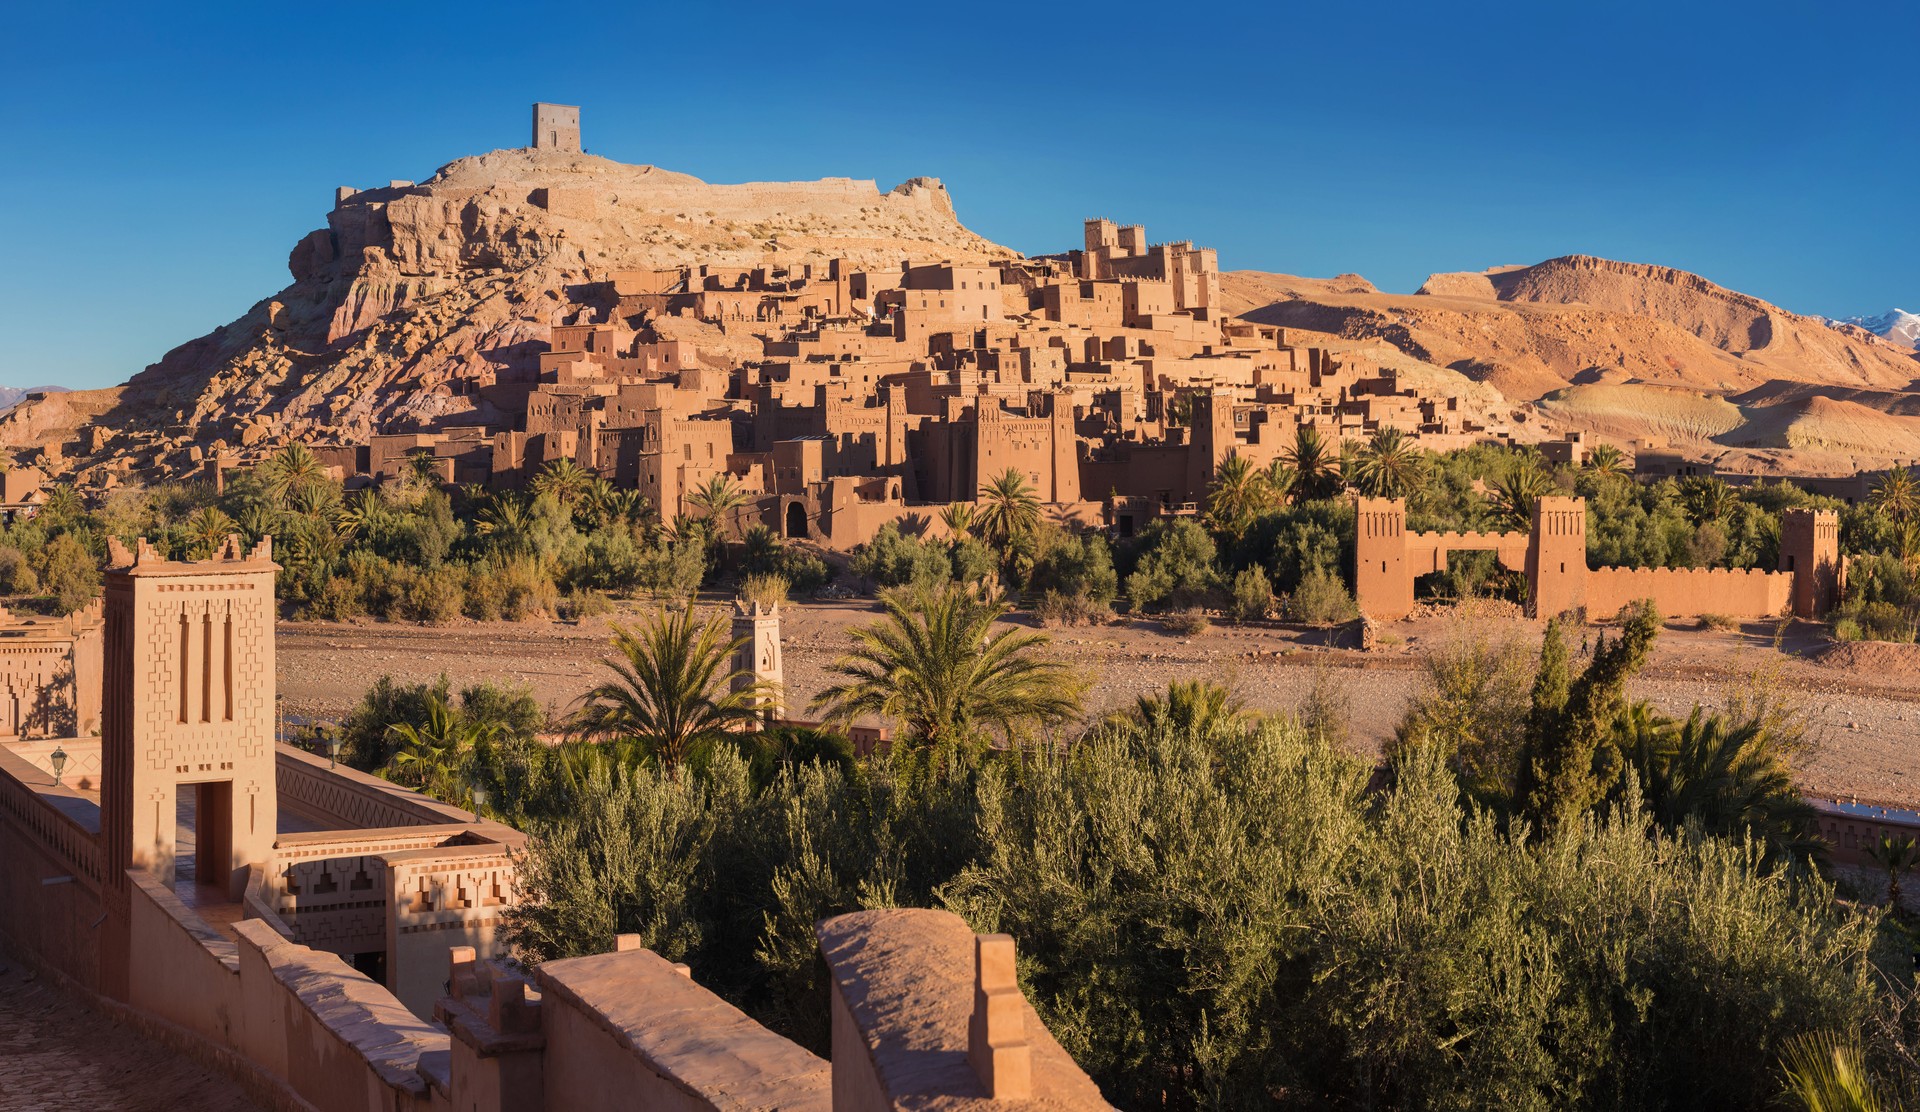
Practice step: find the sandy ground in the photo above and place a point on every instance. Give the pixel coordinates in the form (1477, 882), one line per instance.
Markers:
(57, 1055)
(1864, 720)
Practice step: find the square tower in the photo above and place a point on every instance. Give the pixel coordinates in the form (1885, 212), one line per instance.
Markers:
(188, 710)
(1557, 557)
(1810, 549)
(757, 629)
(556, 127)
(1382, 582)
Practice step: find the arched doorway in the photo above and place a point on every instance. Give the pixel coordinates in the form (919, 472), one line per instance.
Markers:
(796, 520)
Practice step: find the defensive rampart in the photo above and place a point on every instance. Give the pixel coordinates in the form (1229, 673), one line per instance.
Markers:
(1748, 593)
(1553, 556)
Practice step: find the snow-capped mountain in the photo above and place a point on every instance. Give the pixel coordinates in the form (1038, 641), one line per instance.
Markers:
(1899, 326)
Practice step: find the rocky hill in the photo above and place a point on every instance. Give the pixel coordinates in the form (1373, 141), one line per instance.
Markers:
(412, 288)
(1632, 351)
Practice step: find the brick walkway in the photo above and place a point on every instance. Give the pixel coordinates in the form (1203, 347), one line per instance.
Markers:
(56, 1055)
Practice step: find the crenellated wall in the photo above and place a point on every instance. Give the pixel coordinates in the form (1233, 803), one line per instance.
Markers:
(1745, 593)
(1553, 554)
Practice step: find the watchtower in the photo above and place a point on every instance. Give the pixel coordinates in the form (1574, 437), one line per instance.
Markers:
(556, 127)
(757, 626)
(1557, 556)
(1810, 549)
(188, 712)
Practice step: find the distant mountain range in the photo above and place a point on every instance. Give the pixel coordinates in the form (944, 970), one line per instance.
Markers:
(11, 396)
(1898, 325)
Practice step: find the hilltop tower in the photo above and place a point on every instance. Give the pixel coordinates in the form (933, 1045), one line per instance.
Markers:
(759, 657)
(188, 711)
(1810, 549)
(556, 127)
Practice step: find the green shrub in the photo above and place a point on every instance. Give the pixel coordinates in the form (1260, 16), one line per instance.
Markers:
(804, 572)
(671, 569)
(1321, 599)
(1175, 565)
(526, 590)
(767, 590)
(1056, 609)
(892, 559)
(1187, 622)
(1076, 565)
(486, 595)
(68, 573)
(1252, 594)
(17, 576)
(435, 596)
(579, 605)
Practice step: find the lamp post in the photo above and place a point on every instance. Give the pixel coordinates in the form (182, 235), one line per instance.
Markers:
(333, 748)
(480, 796)
(59, 759)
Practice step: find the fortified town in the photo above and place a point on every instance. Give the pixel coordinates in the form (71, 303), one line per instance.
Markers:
(336, 941)
(839, 397)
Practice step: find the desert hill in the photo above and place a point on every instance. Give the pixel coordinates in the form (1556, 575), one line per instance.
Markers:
(413, 289)
(1631, 351)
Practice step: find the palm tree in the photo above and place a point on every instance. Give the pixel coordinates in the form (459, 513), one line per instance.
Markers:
(1518, 486)
(506, 521)
(717, 501)
(1730, 776)
(365, 515)
(1825, 1074)
(760, 548)
(423, 468)
(1897, 856)
(1279, 478)
(62, 503)
(1237, 493)
(1193, 707)
(1607, 460)
(1315, 465)
(566, 480)
(1390, 466)
(1707, 498)
(959, 518)
(1007, 507)
(1896, 496)
(943, 672)
(674, 689)
(434, 755)
(209, 528)
(290, 471)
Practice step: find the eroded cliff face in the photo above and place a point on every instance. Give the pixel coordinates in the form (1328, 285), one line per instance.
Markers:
(412, 294)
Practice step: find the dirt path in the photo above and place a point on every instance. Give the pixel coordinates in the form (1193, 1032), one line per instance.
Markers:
(57, 1055)
(1865, 722)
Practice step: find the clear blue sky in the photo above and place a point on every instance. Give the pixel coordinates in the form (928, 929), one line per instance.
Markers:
(160, 162)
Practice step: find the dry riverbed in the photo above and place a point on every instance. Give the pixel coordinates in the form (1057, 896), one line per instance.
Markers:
(1862, 708)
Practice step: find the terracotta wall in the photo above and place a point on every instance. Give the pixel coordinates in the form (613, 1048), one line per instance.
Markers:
(629, 1030)
(1686, 592)
(58, 922)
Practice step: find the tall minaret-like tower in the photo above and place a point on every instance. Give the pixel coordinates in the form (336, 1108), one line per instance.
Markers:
(188, 707)
(757, 626)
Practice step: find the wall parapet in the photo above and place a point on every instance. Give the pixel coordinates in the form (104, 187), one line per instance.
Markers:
(630, 1029)
(48, 812)
(349, 799)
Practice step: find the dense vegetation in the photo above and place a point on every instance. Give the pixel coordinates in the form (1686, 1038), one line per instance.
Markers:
(1270, 542)
(1547, 897)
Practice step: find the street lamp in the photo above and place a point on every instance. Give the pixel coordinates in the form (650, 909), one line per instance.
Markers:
(480, 797)
(59, 759)
(333, 748)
